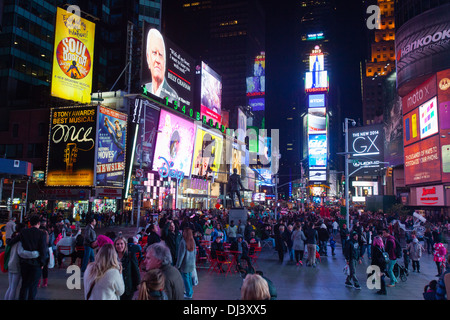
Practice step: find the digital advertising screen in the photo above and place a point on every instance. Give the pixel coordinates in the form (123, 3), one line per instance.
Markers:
(422, 161)
(317, 120)
(174, 143)
(111, 148)
(207, 153)
(211, 94)
(264, 173)
(443, 84)
(317, 175)
(316, 81)
(166, 70)
(146, 137)
(428, 115)
(73, 57)
(316, 100)
(317, 150)
(256, 86)
(71, 147)
(257, 104)
(236, 160)
(316, 62)
(411, 127)
(241, 125)
(366, 145)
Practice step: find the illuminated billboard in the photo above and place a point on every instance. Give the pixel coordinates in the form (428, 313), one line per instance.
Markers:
(166, 70)
(241, 125)
(111, 148)
(422, 161)
(316, 100)
(257, 104)
(317, 175)
(316, 81)
(207, 153)
(316, 62)
(366, 145)
(428, 115)
(174, 143)
(317, 120)
(73, 57)
(211, 94)
(317, 150)
(71, 146)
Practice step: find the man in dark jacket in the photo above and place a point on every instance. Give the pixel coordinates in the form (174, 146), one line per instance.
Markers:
(390, 249)
(312, 238)
(352, 255)
(344, 233)
(33, 239)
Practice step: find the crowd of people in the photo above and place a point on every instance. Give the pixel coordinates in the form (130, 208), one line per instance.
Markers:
(159, 262)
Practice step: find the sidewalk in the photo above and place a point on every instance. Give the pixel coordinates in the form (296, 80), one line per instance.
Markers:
(325, 282)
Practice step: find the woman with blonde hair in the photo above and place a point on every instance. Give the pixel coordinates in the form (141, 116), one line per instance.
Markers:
(103, 277)
(130, 267)
(186, 261)
(255, 287)
(152, 286)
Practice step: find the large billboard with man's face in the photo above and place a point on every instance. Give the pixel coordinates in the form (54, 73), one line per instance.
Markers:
(166, 70)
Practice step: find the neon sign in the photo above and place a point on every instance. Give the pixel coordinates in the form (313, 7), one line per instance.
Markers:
(167, 171)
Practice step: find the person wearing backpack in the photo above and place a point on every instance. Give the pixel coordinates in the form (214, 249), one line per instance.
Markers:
(379, 259)
(394, 253)
(415, 250)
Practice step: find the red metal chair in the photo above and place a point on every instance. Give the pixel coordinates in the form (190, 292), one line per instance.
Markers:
(65, 252)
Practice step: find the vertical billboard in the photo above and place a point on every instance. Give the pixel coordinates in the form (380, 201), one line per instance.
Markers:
(166, 70)
(73, 57)
(317, 146)
(71, 146)
(207, 153)
(111, 148)
(147, 116)
(211, 94)
(174, 143)
(366, 145)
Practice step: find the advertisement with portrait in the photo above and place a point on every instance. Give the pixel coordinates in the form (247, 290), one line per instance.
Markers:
(73, 57)
(144, 146)
(71, 146)
(111, 148)
(366, 145)
(211, 94)
(422, 161)
(443, 84)
(317, 150)
(207, 153)
(166, 70)
(174, 143)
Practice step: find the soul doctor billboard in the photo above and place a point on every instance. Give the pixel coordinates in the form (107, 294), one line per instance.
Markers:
(73, 57)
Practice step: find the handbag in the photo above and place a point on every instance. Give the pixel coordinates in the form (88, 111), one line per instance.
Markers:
(346, 270)
(194, 277)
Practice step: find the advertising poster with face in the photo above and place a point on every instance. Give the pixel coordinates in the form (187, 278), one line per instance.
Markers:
(443, 90)
(174, 143)
(111, 148)
(71, 147)
(167, 71)
(207, 153)
(211, 94)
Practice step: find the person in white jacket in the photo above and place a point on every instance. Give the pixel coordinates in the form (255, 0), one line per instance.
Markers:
(103, 278)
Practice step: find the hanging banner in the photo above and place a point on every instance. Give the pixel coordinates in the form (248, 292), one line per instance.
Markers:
(111, 148)
(73, 57)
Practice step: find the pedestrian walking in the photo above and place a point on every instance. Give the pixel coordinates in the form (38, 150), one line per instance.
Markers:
(186, 262)
(352, 257)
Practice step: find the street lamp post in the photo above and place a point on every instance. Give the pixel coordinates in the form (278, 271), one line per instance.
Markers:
(347, 155)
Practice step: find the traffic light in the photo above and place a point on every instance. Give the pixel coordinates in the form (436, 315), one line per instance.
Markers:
(389, 172)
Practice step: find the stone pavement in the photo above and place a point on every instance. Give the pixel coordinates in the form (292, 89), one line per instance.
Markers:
(325, 282)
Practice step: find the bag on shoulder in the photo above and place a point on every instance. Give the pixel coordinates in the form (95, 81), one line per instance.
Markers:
(398, 249)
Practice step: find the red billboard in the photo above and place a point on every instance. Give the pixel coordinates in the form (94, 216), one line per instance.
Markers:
(423, 161)
(419, 95)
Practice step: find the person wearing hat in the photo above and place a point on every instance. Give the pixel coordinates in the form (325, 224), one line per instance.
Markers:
(352, 255)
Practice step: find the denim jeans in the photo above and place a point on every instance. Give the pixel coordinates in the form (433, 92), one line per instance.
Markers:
(89, 256)
(352, 276)
(390, 271)
(187, 279)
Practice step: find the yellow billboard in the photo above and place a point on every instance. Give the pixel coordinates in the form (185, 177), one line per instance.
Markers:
(207, 153)
(73, 57)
